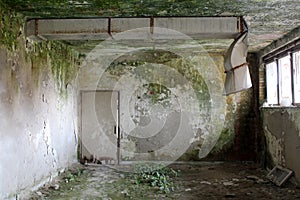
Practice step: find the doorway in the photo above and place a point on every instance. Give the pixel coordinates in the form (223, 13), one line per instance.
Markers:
(100, 135)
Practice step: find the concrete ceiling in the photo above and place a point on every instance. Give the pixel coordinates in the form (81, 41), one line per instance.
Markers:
(268, 20)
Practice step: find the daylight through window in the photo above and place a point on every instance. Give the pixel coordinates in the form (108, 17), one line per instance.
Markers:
(283, 79)
(296, 74)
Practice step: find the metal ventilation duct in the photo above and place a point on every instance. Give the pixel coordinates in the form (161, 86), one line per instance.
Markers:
(103, 28)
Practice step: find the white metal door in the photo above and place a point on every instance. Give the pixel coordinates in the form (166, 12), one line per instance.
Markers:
(100, 118)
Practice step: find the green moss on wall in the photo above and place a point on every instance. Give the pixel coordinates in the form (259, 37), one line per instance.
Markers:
(64, 62)
(59, 58)
(224, 142)
(157, 93)
(192, 75)
(132, 64)
(10, 27)
(190, 155)
(226, 139)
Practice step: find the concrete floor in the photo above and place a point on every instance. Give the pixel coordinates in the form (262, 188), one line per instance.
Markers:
(201, 180)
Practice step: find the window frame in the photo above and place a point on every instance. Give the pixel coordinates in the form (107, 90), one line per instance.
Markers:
(277, 82)
(275, 56)
(293, 85)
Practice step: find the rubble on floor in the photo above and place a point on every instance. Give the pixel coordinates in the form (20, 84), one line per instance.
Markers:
(199, 180)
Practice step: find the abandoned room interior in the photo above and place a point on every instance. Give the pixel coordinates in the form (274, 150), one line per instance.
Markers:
(140, 99)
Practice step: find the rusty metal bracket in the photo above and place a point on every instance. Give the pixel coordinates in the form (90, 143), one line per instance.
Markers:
(152, 25)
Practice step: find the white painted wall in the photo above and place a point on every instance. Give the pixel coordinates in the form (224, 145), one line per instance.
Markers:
(38, 134)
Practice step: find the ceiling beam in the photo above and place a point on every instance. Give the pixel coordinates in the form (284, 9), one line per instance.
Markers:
(103, 28)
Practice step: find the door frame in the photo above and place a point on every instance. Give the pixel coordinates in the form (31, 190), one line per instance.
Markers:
(79, 148)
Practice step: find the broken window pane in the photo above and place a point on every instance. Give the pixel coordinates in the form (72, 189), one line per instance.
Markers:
(271, 72)
(285, 81)
(296, 73)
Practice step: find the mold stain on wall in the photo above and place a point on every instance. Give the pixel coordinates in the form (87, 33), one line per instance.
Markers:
(281, 128)
(144, 87)
(60, 58)
(36, 108)
(158, 95)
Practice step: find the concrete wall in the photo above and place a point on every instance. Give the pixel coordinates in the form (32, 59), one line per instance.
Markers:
(37, 123)
(282, 131)
(171, 103)
(280, 124)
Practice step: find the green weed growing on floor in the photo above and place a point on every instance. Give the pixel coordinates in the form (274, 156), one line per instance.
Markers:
(74, 175)
(155, 175)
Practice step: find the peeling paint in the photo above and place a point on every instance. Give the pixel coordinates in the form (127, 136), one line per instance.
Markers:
(183, 90)
(281, 128)
(35, 141)
(295, 117)
(276, 148)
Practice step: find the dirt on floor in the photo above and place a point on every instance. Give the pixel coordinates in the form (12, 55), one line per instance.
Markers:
(198, 180)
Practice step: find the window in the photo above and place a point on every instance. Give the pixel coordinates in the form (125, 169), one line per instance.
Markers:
(296, 75)
(283, 79)
(272, 95)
